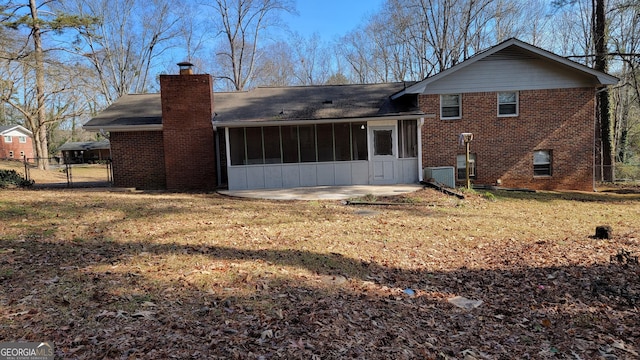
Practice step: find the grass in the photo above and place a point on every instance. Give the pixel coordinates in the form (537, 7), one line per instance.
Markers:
(200, 275)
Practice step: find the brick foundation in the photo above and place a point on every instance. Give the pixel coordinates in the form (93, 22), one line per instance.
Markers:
(560, 120)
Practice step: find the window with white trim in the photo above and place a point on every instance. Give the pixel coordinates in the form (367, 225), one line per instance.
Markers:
(508, 103)
(461, 161)
(22, 139)
(542, 161)
(8, 138)
(450, 106)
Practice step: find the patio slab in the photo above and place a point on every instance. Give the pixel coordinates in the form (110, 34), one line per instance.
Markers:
(324, 192)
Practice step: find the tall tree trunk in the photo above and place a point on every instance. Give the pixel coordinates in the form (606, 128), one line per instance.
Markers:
(604, 123)
(40, 133)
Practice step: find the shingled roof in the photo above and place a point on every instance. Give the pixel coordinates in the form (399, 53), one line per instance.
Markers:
(130, 112)
(85, 146)
(310, 103)
(267, 105)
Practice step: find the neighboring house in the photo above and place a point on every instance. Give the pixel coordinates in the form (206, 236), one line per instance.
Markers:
(16, 143)
(85, 152)
(531, 112)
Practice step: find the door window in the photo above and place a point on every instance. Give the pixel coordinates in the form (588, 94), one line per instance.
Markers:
(383, 142)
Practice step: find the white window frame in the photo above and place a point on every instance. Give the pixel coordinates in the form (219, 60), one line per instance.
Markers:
(548, 163)
(442, 117)
(8, 138)
(461, 160)
(22, 139)
(517, 104)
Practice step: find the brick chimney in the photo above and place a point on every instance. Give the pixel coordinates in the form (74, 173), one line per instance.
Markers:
(189, 139)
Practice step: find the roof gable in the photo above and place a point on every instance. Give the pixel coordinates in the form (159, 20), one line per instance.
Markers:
(5, 129)
(511, 65)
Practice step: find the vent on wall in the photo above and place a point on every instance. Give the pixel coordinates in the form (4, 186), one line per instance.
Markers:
(442, 174)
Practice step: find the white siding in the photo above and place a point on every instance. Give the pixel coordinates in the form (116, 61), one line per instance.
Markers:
(277, 176)
(504, 73)
(290, 175)
(15, 133)
(408, 170)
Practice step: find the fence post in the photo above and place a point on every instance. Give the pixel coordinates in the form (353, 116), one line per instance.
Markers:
(68, 171)
(26, 168)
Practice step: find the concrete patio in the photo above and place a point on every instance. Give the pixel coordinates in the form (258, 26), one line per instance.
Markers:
(324, 192)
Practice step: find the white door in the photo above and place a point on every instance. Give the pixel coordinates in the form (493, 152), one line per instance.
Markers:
(383, 149)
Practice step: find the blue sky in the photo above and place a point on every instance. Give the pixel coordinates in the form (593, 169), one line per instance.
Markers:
(330, 18)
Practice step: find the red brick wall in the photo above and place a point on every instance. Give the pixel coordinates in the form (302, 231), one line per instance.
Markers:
(16, 146)
(138, 159)
(560, 120)
(189, 146)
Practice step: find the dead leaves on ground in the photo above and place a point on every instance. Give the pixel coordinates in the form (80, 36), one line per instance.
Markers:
(194, 276)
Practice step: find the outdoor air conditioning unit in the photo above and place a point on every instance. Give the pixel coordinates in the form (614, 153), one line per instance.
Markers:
(442, 174)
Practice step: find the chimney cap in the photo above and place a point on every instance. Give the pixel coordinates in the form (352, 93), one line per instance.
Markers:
(186, 68)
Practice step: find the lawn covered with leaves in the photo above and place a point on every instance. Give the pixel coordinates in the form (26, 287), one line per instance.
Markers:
(107, 275)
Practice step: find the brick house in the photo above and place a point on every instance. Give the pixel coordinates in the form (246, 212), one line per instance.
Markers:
(16, 143)
(531, 113)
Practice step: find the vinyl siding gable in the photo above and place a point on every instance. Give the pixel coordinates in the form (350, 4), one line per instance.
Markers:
(510, 73)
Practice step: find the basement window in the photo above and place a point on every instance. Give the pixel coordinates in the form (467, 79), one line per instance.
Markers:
(542, 163)
(461, 162)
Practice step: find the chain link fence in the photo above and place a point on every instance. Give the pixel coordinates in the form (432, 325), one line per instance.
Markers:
(60, 173)
(627, 173)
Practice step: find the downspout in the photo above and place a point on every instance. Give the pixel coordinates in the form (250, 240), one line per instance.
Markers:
(420, 173)
(227, 146)
(217, 149)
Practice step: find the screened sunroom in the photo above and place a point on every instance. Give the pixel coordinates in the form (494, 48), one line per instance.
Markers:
(323, 154)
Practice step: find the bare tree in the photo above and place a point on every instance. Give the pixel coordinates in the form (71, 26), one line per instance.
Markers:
(312, 60)
(126, 42)
(276, 65)
(625, 98)
(354, 49)
(243, 22)
(33, 62)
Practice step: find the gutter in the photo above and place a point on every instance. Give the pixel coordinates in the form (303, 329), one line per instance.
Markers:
(124, 128)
